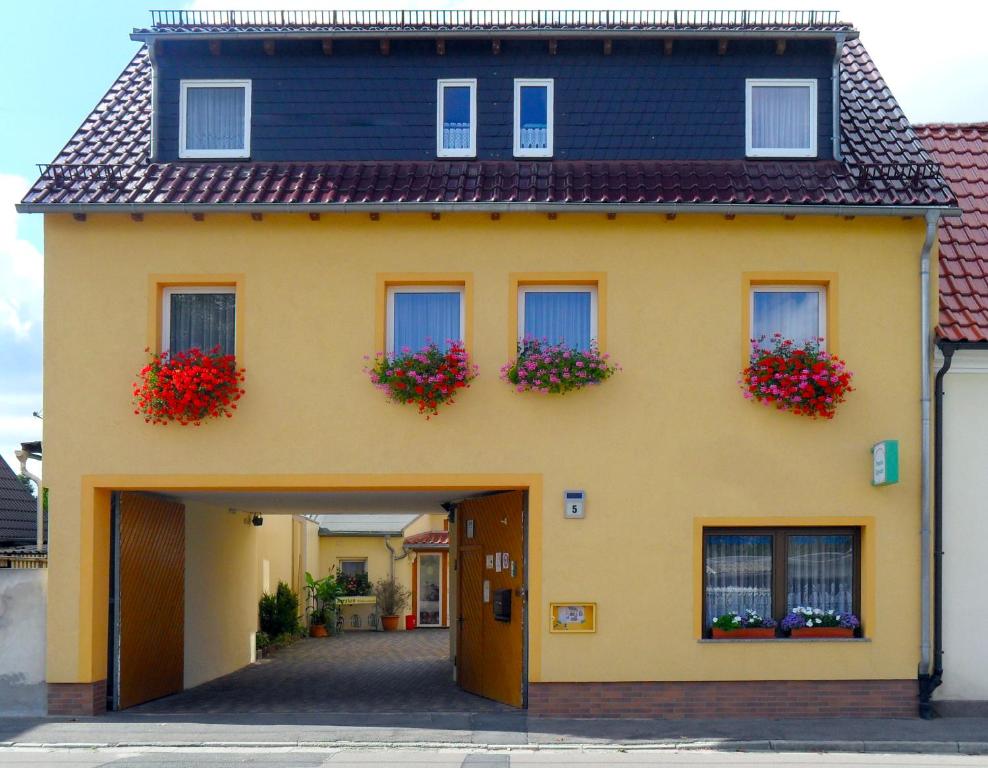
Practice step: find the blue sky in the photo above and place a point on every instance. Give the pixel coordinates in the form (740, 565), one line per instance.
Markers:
(60, 56)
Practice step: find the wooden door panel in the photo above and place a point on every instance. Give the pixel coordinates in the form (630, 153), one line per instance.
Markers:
(469, 648)
(498, 527)
(151, 641)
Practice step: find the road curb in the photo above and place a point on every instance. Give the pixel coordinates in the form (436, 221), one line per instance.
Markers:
(708, 745)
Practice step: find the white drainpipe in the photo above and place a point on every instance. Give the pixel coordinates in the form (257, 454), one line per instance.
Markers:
(22, 457)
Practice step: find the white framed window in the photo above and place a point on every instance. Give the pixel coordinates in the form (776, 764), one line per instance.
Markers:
(559, 314)
(418, 315)
(780, 118)
(214, 118)
(456, 119)
(798, 312)
(201, 316)
(533, 117)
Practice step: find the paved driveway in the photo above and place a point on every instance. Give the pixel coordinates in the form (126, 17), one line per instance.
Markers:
(379, 672)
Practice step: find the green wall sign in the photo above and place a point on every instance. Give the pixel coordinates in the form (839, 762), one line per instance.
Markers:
(885, 462)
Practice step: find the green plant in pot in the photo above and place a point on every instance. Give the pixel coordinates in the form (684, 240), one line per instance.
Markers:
(392, 600)
(323, 595)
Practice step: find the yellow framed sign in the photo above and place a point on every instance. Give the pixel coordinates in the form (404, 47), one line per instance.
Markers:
(573, 618)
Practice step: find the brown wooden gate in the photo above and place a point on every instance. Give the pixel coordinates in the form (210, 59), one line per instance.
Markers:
(149, 605)
(489, 650)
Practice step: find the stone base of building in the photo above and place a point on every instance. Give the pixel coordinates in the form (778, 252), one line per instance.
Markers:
(77, 698)
(744, 699)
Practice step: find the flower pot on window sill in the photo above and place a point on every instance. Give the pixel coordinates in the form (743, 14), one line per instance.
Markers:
(822, 632)
(746, 633)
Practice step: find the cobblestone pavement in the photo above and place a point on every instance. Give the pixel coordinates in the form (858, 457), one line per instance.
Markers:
(358, 672)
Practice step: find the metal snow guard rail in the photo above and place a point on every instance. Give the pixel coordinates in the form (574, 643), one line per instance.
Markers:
(61, 173)
(394, 20)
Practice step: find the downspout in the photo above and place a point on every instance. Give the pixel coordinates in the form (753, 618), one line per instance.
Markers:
(930, 683)
(394, 558)
(835, 94)
(22, 457)
(926, 340)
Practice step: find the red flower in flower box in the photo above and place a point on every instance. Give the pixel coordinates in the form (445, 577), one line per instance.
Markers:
(188, 387)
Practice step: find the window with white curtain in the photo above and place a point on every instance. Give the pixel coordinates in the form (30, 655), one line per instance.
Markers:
(798, 312)
(558, 314)
(214, 118)
(200, 317)
(780, 118)
(418, 315)
(456, 130)
(773, 570)
(353, 567)
(533, 118)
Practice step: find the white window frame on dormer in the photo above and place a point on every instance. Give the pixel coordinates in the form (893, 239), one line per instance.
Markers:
(548, 84)
(185, 152)
(751, 151)
(441, 85)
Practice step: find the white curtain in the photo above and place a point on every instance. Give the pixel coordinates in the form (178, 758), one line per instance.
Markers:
(780, 117)
(214, 118)
(739, 575)
(202, 320)
(794, 314)
(820, 572)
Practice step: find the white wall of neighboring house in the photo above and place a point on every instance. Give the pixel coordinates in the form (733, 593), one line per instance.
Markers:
(965, 528)
(23, 597)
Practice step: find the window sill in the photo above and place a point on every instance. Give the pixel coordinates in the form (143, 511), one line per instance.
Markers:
(787, 640)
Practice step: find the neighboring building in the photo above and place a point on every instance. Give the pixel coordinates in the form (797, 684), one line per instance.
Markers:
(410, 548)
(304, 189)
(962, 393)
(18, 523)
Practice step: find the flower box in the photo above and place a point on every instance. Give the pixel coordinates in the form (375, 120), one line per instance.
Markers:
(745, 633)
(427, 379)
(822, 632)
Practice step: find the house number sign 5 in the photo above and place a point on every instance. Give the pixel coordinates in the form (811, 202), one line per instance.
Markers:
(573, 504)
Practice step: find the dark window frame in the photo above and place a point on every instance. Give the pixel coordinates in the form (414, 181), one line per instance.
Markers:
(780, 557)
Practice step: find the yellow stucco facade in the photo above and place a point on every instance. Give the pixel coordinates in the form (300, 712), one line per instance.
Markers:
(663, 448)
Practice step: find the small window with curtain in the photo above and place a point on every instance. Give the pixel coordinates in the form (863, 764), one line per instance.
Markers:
(353, 567)
(780, 117)
(200, 317)
(420, 315)
(773, 570)
(457, 118)
(533, 118)
(558, 314)
(214, 118)
(797, 312)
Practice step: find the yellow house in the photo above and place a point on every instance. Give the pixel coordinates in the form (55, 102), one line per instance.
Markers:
(662, 188)
(412, 549)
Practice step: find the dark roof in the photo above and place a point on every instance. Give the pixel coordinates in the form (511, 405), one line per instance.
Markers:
(105, 167)
(474, 23)
(962, 151)
(18, 509)
(428, 540)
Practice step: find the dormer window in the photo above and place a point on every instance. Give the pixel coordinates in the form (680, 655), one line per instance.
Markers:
(214, 119)
(780, 117)
(533, 118)
(457, 118)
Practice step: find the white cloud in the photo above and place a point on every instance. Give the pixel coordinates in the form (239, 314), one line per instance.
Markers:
(21, 266)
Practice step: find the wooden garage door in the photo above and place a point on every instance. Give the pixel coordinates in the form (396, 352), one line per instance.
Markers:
(489, 652)
(150, 604)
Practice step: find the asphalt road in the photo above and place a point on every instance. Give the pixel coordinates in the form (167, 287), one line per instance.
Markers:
(337, 758)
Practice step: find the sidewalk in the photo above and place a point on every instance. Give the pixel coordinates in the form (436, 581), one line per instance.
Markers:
(499, 731)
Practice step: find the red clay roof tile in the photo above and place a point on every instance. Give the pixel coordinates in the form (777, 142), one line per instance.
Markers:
(962, 151)
(428, 540)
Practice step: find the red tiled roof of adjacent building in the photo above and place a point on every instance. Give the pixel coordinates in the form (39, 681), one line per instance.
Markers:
(962, 151)
(105, 167)
(428, 540)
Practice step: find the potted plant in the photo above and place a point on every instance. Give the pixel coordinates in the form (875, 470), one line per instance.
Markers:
(555, 368)
(739, 626)
(804, 380)
(188, 387)
(323, 595)
(803, 621)
(427, 379)
(392, 599)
